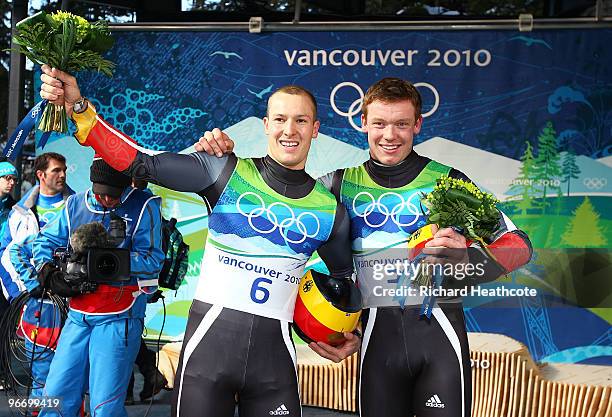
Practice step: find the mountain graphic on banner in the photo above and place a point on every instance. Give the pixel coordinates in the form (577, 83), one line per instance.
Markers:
(496, 173)
(490, 171)
(606, 161)
(78, 160)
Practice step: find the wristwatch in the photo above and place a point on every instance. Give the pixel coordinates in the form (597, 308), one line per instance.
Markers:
(80, 105)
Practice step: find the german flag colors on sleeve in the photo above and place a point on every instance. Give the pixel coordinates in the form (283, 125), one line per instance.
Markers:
(116, 148)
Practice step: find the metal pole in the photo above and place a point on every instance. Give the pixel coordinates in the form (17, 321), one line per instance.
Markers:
(455, 25)
(298, 11)
(16, 80)
(598, 10)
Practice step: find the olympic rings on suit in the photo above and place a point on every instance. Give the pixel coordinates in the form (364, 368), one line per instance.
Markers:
(401, 208)
(260, 209)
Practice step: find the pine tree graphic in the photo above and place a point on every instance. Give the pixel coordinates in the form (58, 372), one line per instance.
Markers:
(523, 185)
(569, 170)
(584, 230)
(547, 169)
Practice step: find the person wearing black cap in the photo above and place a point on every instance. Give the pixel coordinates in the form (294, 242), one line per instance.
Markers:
(101, 337)
(107, 183)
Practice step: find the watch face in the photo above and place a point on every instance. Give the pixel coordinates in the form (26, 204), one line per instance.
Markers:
(79, 106)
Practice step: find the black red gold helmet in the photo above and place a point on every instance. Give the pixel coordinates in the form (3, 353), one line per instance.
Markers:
(325, 308)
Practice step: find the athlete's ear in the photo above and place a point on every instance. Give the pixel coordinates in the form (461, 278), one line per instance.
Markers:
(266, 123)
(315, 129)
(417, 125)
(364, 126)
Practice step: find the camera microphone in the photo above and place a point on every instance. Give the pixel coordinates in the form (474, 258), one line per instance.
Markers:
(89, 236)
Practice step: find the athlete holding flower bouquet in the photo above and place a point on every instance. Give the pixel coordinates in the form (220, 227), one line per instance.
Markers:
(410, 364)
(266, 218)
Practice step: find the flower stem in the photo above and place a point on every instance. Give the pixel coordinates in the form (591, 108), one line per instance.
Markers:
(54, 119)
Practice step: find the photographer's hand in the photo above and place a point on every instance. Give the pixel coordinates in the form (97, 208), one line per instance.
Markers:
(37, 292)
(51, 278)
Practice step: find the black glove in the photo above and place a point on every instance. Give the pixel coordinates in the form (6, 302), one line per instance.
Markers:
(37, 292)
(52, 278)
(45, 272)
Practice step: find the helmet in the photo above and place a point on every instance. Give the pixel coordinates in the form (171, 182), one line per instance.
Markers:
(325, 308)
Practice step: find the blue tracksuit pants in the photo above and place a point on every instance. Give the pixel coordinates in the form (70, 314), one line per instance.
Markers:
(95, 352)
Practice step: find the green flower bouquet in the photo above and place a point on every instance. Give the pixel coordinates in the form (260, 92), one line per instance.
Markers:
(66, 42)
(460, 204)
(464, 207)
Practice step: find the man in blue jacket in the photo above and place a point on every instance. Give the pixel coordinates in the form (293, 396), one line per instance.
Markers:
(100, 339)
(37, 207)
(8, 180)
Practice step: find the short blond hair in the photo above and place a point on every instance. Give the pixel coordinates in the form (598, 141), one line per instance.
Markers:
(295, 90)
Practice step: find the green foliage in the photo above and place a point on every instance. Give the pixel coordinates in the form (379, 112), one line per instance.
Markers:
(65, 41)
(584, 229)
(454, 202)
(98, 38)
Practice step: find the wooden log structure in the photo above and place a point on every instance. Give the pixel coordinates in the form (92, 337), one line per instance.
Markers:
(506, 382)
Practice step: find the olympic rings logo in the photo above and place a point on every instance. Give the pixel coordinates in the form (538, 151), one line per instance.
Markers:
(260, 209)
(401, 208)
(595, 183)
(355, 106)
(47, 217)
(35, 111)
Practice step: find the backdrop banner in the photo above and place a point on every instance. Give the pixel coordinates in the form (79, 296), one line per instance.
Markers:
(527, 116)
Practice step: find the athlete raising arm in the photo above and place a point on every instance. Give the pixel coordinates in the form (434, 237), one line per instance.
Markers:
(266, 218)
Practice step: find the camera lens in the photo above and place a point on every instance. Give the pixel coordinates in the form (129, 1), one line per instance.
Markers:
(107, 265)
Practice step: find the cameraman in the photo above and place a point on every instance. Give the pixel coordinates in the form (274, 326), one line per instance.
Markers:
(100, 339)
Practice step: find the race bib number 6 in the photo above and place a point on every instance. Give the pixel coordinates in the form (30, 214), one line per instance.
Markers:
(260, 284)
(259, 293)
